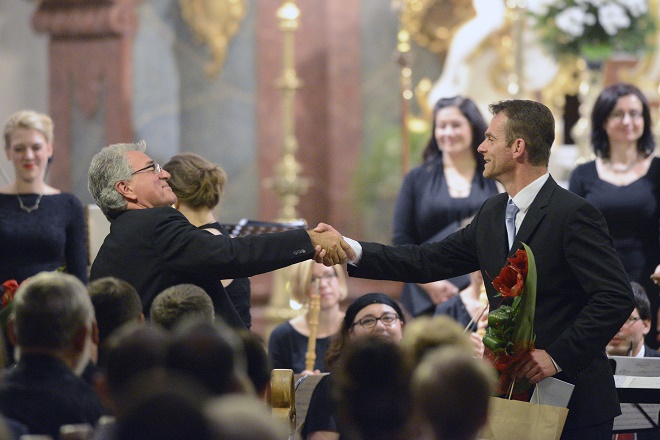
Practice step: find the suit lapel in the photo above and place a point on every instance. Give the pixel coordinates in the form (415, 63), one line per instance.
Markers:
(534, 215)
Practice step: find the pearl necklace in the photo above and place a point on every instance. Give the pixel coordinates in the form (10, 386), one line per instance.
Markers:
(623, 170)
(29, 209)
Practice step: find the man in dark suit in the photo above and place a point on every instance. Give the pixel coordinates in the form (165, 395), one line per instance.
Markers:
(629, 340)
(152, 246)
(583, 294)
(53, 326)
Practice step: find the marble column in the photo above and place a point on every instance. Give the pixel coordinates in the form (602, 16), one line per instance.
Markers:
(90, 62)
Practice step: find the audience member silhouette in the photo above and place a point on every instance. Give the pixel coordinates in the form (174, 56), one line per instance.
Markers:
(115, 303)
(181, 301)
(371, 385)
(54, 328)
(451, 391)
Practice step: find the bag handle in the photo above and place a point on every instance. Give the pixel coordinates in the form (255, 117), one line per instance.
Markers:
(536, 385)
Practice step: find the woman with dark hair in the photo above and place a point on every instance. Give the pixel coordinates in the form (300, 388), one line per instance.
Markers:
(443, 193)
(623, 182)
(371, 315)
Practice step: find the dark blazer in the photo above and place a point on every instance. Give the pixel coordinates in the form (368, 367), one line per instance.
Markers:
(156, 248)
(583, 294)
(650, 352)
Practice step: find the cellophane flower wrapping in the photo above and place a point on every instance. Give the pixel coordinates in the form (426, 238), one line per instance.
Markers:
(510, 332)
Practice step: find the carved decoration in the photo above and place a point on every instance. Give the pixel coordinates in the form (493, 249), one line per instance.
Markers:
(433, 23)
(214, 23)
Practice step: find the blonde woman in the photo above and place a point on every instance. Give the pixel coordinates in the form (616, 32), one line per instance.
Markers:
(41, 228)
(287, 345)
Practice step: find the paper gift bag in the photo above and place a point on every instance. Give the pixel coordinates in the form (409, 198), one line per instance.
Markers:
(513, 419)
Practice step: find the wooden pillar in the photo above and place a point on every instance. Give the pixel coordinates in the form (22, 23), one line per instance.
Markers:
(90, 61)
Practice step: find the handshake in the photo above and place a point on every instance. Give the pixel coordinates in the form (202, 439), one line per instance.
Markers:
(330, 248)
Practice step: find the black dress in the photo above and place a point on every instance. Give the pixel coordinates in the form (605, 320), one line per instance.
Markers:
(239, 291)
(52, 236)
(632, 213)
(424, 211)
(287, 349)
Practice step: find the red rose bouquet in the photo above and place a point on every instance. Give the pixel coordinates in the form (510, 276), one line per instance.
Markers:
(510, 332)
(7, 290)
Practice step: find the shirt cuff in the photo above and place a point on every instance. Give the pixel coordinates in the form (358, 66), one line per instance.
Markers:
(556, 366)
(357, 249)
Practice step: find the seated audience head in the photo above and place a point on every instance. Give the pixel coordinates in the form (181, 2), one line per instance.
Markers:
(240, 417)
(132, 350)
(196, 182)
(123, 177)
(115, 303)
(451, 391)
(165, 412)
(423, 334)
(332, 279)
(372, 314)
(371, 385)
(603, 113)
(258, 364)
(53, 315)
(211, 353)
(629, 340)
(183, 300)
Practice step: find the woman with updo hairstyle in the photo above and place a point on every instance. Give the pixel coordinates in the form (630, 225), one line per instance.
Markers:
(198, 184)
(41, 227)
(287, 345)
(623, 182)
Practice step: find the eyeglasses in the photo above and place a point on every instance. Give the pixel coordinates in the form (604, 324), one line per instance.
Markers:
(632, 319)
(326, 276)
(620, 115)
(387, 319)
(154, 166)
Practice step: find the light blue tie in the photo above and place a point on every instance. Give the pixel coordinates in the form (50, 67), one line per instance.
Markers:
(511, 211)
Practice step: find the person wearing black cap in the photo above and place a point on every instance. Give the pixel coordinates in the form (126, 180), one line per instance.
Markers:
(371, 315)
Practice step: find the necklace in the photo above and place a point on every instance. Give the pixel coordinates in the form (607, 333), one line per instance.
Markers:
(29, 209)
(625, 169)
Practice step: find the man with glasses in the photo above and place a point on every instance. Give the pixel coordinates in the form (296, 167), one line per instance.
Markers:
(153, 246)
(629, 340)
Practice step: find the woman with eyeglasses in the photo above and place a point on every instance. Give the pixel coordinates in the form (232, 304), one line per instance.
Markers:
(371, 315)
(198, 184)
(41, 227)
(288, 342)
(623, 182)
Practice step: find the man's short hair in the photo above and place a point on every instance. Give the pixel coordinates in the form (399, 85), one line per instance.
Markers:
(209, 352)
(531, 121)
(440, 385)
(49, 310)
(115, 302)
(109, 166)
(642, 303)
(173, 303)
